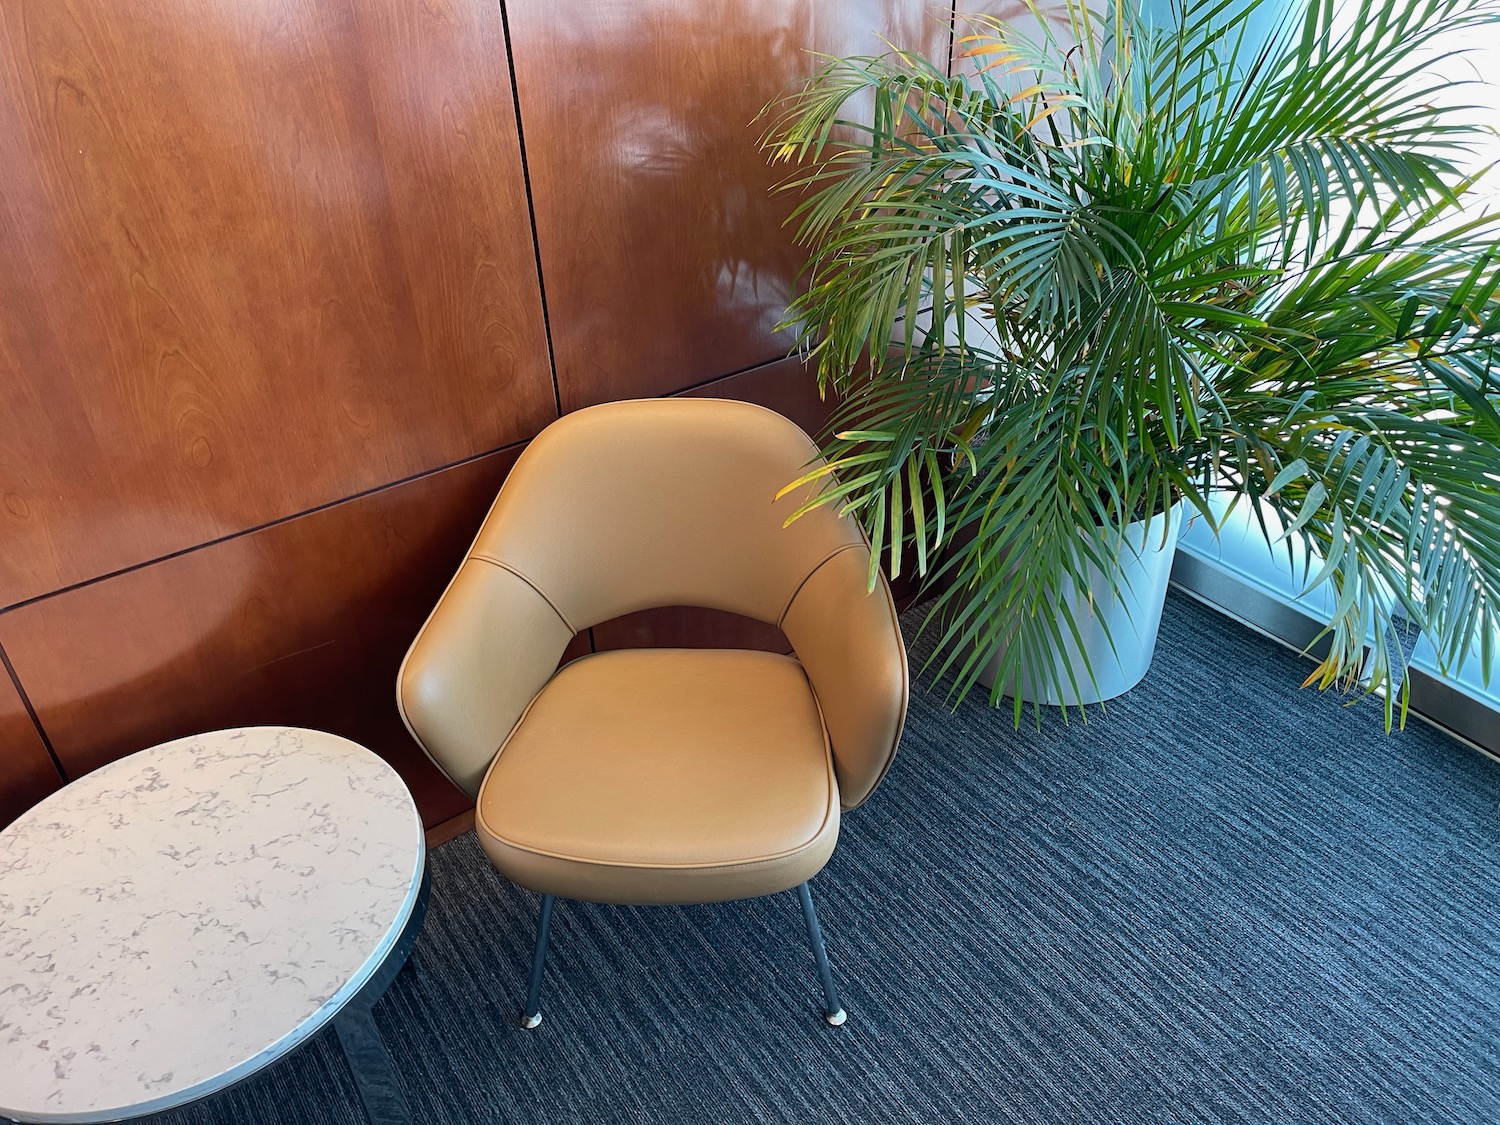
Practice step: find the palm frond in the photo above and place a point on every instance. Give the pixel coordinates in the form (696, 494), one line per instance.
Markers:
(1120, 263)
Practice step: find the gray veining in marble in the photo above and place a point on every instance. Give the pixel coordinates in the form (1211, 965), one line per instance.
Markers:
(180, 917)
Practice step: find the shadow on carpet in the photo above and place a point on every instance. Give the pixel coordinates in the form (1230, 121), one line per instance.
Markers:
(1223, 899)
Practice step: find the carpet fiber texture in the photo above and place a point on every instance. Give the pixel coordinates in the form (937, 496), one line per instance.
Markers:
(1220, 899)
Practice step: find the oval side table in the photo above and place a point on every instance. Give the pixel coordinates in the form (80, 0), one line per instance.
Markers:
(178, 919)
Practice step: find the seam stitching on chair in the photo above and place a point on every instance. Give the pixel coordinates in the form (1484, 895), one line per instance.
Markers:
(561, 616)
(781, 619)
(895, 619)
(906, 674)
(834, 807)
(759, 861)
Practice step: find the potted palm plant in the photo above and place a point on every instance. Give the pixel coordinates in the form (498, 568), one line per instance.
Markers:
(1119, 266)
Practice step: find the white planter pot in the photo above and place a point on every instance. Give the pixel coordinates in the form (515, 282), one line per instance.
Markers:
(1130, 619)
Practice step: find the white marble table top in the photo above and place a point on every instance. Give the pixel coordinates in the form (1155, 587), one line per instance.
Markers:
(181, 917)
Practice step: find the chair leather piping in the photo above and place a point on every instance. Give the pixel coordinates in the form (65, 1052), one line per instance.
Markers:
(539, 591)
(895, 621)
(830, 773)
(401, 672)
(806, 578)
(890, 760)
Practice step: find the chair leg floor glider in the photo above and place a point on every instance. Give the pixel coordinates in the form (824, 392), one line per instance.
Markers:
(532, 1016)
(833, 1012)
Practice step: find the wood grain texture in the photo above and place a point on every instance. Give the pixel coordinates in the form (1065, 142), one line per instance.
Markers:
(258, 257)
(26, 772)
(303, 623)
(663, 249)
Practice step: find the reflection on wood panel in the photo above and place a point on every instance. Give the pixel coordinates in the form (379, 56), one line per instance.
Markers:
(26, 772)
(258, 257)
(303, 623)
(663, 251)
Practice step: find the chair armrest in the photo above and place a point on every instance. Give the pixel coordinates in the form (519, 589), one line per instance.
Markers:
(849, 642)
(489, 646)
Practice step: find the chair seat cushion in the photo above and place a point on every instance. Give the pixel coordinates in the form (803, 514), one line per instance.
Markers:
(664, 776)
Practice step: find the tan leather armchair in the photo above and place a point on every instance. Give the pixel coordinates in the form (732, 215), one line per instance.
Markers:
(655, 776)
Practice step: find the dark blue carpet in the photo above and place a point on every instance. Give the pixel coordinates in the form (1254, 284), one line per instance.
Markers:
(1223, 899)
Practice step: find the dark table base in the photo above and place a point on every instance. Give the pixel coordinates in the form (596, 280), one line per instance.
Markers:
(369, 1061)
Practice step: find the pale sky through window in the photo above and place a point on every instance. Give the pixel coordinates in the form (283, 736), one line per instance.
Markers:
(1479, 68)
(1473, 69)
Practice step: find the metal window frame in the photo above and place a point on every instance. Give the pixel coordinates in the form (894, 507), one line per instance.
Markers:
(1435, 702)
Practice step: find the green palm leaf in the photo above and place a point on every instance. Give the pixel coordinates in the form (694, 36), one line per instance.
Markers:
(1124, 263)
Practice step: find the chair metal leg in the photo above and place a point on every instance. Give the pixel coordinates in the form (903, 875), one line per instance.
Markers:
(532, 1016)
(833, 1011)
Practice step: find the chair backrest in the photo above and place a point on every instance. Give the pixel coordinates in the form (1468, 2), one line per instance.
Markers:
(639, 504)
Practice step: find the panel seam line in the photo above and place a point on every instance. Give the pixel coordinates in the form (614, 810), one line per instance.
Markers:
(266, 526)
(536, 238)
(36, 720)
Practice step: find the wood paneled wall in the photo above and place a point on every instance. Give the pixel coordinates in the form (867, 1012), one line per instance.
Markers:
(260, 257)
(661, 242)
(287, 285)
